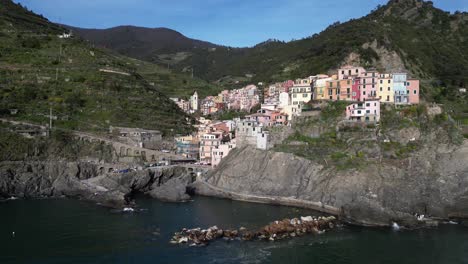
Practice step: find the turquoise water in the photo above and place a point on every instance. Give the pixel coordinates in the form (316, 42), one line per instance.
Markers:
(70, 231)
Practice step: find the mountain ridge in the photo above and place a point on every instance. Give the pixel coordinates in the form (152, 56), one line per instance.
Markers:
(411, 35)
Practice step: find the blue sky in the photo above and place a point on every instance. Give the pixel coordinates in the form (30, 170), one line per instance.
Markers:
(227, 22)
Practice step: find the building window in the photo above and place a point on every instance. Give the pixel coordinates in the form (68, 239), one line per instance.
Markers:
(367, 104)
(368, 111)
(388, 88)
(381, 81)
(381, 89)
(415, 92)
(304, 95)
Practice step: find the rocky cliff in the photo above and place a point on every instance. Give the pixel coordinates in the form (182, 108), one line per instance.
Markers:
(84, 180)
(433, 181)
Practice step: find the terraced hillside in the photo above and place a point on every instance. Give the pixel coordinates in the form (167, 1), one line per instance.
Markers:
(87, 88)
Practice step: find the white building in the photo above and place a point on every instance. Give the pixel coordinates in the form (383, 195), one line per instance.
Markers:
(194, 102)
(263, 139)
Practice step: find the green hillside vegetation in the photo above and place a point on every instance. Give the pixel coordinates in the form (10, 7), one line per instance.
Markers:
(39, 71)
(431, 44)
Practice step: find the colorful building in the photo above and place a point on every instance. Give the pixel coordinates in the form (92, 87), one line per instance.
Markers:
(399, 87)
(349, 72)
(385, 93)
(220, 152)
(356, 90)
(369, 83)
(301, 92)
(345, 89)
(207, 143)
(320, 87)
(368, 111)
(412, 88)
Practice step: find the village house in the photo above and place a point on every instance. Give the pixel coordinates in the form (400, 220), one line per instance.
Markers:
(368, 111)
(412, 88)
(207, 143)
(385, 93)
(350, 72)
(320, 87)
(399, 86)
(221, 151)
(368, 86)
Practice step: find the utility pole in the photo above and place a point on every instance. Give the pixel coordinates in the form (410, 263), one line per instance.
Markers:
(50, 120)
(192, 72)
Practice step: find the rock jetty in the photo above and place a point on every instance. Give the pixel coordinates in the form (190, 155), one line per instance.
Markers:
(277, 230)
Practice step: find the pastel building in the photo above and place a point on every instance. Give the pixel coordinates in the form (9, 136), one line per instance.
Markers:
(399, 87)
(369, 83)
(220, 152)
(301, 92)
(412, 88)
(345, 89)
(368, 111)
(385, 93)
(320, 88)
(207, 143)
(349, 72)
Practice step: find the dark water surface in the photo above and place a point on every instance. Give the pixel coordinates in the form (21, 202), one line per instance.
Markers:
(69, 231)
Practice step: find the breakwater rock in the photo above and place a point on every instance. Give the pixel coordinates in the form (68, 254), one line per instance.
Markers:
(277, 230)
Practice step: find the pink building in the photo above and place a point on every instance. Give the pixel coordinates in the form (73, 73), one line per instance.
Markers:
(279, 118)
(368, 111)
(369, 85)
(207, 143)
(350, 72)
(220, 152)
(261, 118)
(412, 87)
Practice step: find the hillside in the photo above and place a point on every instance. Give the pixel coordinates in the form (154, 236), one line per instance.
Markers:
(140, 42)
(87, 88)
(403, 35)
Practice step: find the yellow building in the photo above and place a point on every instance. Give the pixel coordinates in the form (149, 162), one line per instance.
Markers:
(321, 89)
(385, 91)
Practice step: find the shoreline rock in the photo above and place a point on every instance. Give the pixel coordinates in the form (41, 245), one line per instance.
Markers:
(84, 180)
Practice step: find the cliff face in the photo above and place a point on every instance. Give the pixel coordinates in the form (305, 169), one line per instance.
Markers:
(28, 179)
(433, 181)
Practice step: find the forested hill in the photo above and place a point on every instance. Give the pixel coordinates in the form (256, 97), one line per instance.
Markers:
(87, 88)
(408, 35)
